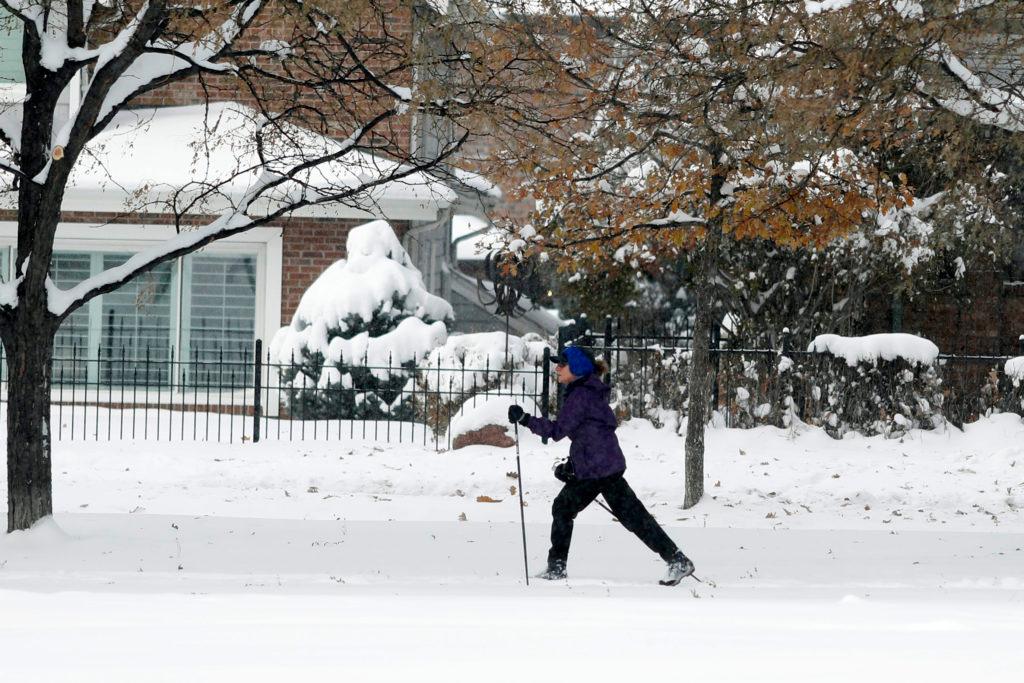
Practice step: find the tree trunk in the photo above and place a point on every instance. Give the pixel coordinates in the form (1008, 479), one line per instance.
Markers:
(701, 375)
(29, 478)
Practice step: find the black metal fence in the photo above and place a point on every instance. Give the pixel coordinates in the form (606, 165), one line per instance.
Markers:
(246, 396)
(242, 395)
(648, 366)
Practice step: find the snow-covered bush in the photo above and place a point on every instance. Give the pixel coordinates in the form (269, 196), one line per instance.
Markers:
(469, 365)
(358, 331)
(879, 384)
(752, 388)
(651, 384)
(1000, 392)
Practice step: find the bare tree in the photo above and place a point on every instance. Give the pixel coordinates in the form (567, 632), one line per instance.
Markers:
(337, 81)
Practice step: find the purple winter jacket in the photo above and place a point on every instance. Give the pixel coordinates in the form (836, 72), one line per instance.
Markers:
(588, 421)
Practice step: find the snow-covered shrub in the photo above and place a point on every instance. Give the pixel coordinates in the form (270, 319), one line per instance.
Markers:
(651, 383)
(468, 365)
(879, 384)
(752, 389)
(884, 384)
(358, 331)
(1000, 392)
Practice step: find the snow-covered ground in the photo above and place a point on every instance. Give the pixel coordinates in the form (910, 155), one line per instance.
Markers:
(861, 559)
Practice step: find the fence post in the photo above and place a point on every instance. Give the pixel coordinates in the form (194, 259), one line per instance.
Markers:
(257, 382)
(797, 394)
(545, 385)
(1020, 344)
(618, 341)
(716, 338)
(607, 346)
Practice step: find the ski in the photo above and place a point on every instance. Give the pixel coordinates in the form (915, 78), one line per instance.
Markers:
(676, 582)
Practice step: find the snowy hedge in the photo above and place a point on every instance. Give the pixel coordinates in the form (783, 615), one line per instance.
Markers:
(651, 384)
(880, 384)
(358, 332)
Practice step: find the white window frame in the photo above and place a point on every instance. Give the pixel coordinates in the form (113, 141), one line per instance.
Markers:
(265, 243)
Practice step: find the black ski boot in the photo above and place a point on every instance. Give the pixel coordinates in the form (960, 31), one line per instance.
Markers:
(679, 567)
(554, 572)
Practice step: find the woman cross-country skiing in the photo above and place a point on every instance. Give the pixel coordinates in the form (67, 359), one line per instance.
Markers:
(595, 465)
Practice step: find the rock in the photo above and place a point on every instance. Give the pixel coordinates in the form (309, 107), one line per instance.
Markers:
(489, 435)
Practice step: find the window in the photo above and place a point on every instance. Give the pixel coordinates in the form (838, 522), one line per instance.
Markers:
(130, 335)
(71, 345)
(218, 318)
(12, 71)
(135, 325)
(221, 311)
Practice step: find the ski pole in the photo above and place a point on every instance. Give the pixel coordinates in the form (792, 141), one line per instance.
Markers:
(608, 509)
(522, 515)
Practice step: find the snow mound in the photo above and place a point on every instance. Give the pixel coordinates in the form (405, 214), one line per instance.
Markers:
(1014, 369)
(44, 533)
(490, 409)
(875, 347)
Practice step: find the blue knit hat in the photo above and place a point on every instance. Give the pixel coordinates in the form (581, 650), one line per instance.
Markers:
(580, 361)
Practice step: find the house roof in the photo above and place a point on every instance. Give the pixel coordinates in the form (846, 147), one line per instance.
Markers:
(147, 160)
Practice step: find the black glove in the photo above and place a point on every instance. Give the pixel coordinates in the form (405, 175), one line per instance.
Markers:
(516, 414)
(564, 471)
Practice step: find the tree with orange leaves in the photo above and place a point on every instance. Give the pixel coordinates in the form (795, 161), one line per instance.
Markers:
(666, 127)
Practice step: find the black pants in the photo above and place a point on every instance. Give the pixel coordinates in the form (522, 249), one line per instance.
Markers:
(579, 493)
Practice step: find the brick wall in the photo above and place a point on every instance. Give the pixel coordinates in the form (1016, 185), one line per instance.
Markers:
(392, 135)
(309, 247)
(985, 317)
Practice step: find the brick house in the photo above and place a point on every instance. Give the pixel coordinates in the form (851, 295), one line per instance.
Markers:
(239, 289)
(982, 315)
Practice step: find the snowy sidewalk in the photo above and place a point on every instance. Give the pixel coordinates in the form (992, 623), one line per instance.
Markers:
(262, 600)
(858, 560)
(159, 553)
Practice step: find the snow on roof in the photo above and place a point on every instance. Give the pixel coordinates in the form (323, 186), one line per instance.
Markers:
(874, 347)
(473, 248)
(145, 155)
(475, 181)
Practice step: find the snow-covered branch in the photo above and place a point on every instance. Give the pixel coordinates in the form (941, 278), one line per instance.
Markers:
(977, 99)
(63, 302)
(291, 169)
(27, 11)
(159, 59)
